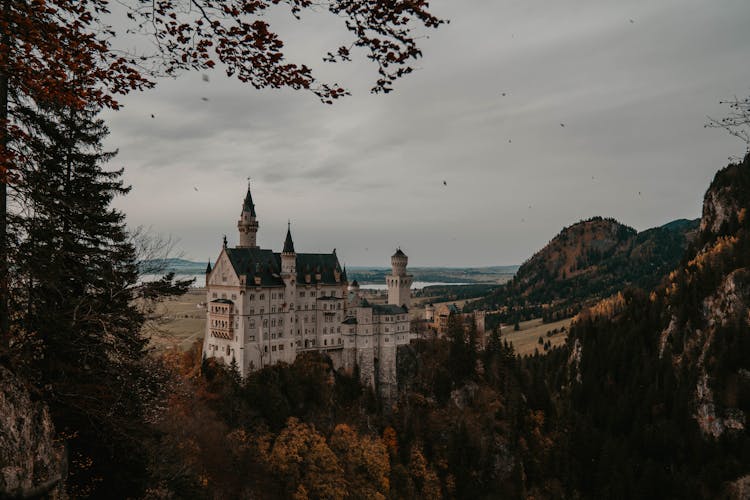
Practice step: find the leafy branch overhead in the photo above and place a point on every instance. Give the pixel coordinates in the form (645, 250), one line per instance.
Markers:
(198, 34)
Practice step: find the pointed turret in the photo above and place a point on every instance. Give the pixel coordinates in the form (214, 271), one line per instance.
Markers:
(288, 256)
(288, 243)
(208, 267)
(248, 205)
(248, 225)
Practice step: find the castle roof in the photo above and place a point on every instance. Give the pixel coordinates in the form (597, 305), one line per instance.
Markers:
(399, 253)
(248, 205)
(288, 243)
(223, 301)
(355, 284)
(266, 264)
(381, 309)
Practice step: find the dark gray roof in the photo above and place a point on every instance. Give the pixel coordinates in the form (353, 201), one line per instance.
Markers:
(208, 267)
(399, 253)
(350, 321)
(355, 284)
(248, 205)
(250, 262)
(381, 309)
(324, 264)
(223, 301)
(288, 243)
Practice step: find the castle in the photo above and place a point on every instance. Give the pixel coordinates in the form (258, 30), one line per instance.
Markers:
(264, 307)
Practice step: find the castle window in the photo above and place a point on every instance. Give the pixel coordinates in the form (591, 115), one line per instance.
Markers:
(281, 347)
(273, 336)
(213, 295)
(265, 323)
(234, 296)
(387, 339)
(252, 296)
(265, 348)
(252, 338)
(325, 342)
(302, 294)
(339, 341)
(262, 296)
(262, 310)
(338, 329)
(312, 294)
(223, 295)
(252, 311)
(273, 309)
(273, 348)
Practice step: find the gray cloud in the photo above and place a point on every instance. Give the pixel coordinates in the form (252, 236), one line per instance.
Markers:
(367, 173)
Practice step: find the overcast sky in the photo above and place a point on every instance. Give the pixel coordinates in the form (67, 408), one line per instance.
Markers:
(631, 81)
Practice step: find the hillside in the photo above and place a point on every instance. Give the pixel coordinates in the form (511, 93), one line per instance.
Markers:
(662, 379)
(590, 260)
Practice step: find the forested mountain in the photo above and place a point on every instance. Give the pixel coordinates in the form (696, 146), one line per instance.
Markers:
(588, 261)
(659, 382)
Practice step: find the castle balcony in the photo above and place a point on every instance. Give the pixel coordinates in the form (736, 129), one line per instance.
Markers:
(226, 334)
(221, 319)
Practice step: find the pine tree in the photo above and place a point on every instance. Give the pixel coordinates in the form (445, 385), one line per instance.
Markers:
(74, 301)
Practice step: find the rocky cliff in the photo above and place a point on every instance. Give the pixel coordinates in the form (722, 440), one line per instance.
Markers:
(709, 307)
(32, 461)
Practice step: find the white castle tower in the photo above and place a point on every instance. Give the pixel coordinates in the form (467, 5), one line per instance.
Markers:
(399, 283)
(248, 225)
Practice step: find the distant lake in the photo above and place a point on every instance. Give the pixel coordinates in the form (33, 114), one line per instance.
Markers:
(417, 285)
(200, 281)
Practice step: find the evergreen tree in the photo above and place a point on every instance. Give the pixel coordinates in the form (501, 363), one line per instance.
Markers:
(74, 301)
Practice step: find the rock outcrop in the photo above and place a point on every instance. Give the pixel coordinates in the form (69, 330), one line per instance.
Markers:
(32, 462)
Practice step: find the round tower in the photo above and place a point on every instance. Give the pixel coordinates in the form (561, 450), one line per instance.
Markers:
(399, 260)
(399, 282)
(354, 289)
(248, 225)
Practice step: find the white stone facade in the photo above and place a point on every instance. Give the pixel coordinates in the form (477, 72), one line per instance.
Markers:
(265, 307)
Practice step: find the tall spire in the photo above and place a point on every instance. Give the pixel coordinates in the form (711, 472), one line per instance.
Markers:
(288, 243)
(248, 224)
(248, 205)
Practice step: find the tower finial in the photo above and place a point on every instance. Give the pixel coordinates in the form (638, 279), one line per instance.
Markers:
(225, 241)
